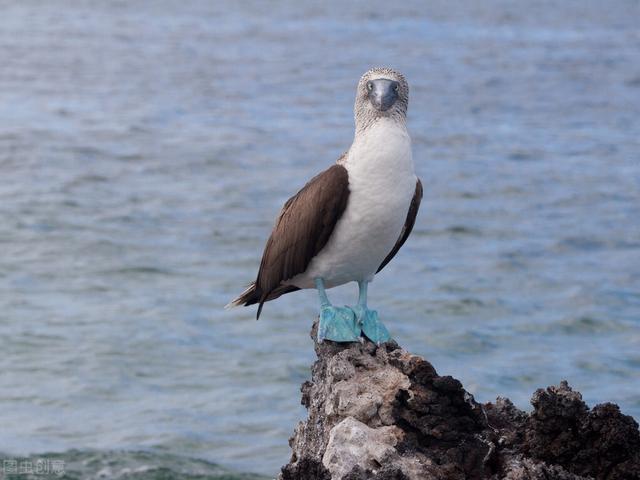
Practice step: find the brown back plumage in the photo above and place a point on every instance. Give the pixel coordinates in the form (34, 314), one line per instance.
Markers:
(302, 229)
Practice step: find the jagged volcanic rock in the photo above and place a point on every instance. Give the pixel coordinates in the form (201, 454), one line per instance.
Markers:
(383, 413)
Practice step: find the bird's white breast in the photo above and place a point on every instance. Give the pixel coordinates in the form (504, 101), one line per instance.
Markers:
(382, 183)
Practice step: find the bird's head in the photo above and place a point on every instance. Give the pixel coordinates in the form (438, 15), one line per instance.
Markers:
(382, 92)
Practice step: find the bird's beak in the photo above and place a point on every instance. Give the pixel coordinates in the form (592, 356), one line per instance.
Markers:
(383, 93)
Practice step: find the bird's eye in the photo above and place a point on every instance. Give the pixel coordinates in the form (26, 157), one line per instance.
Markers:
(395, 89)
(369, 86)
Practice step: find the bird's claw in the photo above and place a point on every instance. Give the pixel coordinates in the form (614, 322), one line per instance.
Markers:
(370, 325)
(347, 324)
(338, 324)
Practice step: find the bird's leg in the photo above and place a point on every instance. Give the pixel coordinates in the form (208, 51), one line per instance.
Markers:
(362, 293)
(336, 323)
(368, 320)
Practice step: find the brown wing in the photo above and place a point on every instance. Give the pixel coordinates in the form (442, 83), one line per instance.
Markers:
(301, 231)
(408, 225)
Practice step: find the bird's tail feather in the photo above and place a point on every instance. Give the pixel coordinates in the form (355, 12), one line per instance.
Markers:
(248, 297)
(254, 294)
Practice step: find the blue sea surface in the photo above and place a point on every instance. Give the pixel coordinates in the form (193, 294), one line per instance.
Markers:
(146, 148)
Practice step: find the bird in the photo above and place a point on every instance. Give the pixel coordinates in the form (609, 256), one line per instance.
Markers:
(348, 222)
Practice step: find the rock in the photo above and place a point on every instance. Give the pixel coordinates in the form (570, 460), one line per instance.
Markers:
(383, 413)
(602, 442)
(352, 443)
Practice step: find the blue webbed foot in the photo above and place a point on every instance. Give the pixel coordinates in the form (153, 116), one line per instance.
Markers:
(371, 325)
(338, 324)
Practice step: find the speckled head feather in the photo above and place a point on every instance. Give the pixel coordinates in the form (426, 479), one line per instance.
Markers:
(365, 113)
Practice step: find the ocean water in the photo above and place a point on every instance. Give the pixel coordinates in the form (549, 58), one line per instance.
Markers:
(146, 148)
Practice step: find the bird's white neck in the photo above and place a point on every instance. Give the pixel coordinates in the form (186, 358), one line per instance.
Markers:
(383, 149)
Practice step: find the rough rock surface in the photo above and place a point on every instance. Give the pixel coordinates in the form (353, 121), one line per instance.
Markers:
(383, 413)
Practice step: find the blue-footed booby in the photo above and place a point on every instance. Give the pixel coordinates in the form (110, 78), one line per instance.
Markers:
(349, 221)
